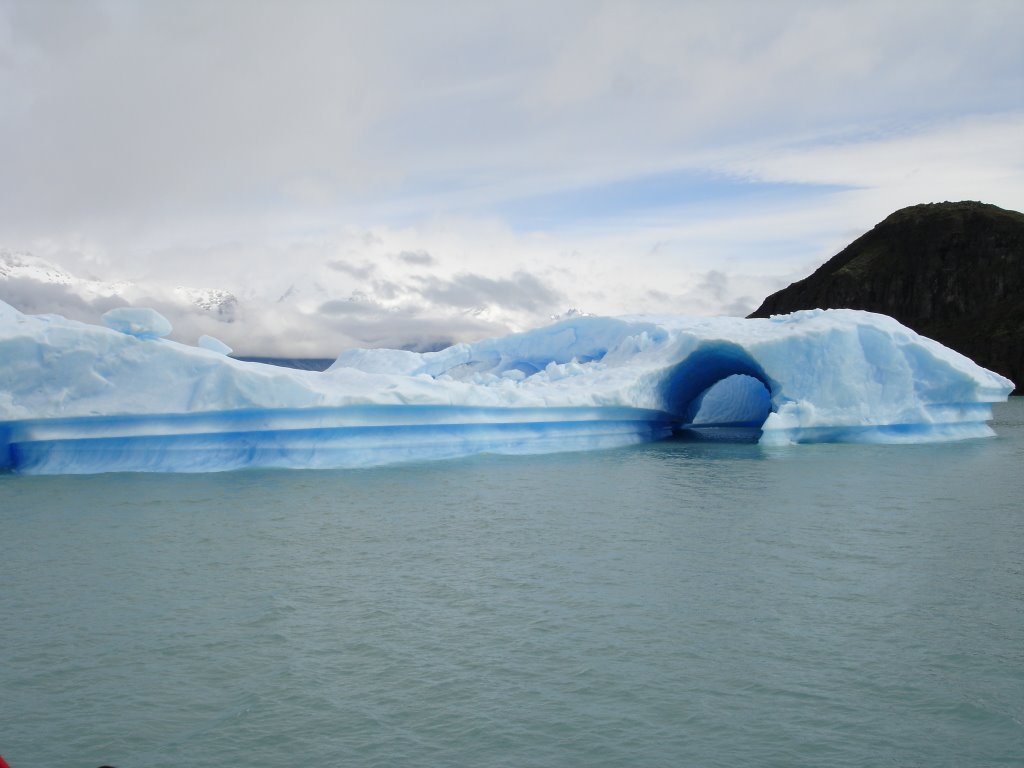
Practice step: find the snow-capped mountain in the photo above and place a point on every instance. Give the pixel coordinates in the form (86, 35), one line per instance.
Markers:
(35, 285)
(21, 266)
(25, 266)
(216, 301)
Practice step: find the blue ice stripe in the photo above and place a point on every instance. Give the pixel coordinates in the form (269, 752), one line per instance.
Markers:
(321, 447)
(310, 418)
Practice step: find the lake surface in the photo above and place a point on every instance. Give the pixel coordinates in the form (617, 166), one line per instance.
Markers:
(671, 604)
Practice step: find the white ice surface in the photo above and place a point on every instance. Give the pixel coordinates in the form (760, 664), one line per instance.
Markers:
(82, 398)
(213, 344)
(142, 322)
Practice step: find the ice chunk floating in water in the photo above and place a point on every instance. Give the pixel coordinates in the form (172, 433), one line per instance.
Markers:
(77, 398)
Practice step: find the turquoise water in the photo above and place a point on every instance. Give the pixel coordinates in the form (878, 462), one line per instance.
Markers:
(672, 604)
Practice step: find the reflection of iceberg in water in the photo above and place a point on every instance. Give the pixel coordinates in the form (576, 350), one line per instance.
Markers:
(80, 398)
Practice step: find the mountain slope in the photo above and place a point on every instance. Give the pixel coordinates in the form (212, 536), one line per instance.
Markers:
(951, 271)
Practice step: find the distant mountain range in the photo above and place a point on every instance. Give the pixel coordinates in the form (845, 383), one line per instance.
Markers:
(25, 276)
(306, 314)
(951, 271)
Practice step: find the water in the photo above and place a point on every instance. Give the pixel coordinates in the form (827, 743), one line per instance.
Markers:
(663, 605)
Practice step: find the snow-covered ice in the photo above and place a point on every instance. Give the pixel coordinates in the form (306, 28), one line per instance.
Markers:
(78, 398)
(141, 322)
(213, 344)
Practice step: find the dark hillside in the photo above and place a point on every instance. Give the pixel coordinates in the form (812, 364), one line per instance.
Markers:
(951, 271)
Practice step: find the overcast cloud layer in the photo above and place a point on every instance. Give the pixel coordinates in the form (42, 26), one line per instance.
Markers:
(417, 173)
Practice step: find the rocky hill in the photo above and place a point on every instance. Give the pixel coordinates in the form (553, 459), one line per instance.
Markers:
(951, 271)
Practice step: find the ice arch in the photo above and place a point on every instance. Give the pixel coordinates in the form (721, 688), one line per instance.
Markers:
(718, 384)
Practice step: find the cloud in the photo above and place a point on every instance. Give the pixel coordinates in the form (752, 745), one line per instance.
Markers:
(419, 258)
(33, 297)
(120, 114)
(715, 284)
(362, 272)
(405, 329)
(522, 291)
(473, 168)
(981, 153)
(351, 306)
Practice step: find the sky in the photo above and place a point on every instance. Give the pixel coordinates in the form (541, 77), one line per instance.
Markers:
(413, 174)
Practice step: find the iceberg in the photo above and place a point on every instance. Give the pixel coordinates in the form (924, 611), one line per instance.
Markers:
(77, 398)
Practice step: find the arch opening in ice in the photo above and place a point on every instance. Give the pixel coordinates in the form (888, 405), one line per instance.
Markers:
(737, 400)
(718, 389)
